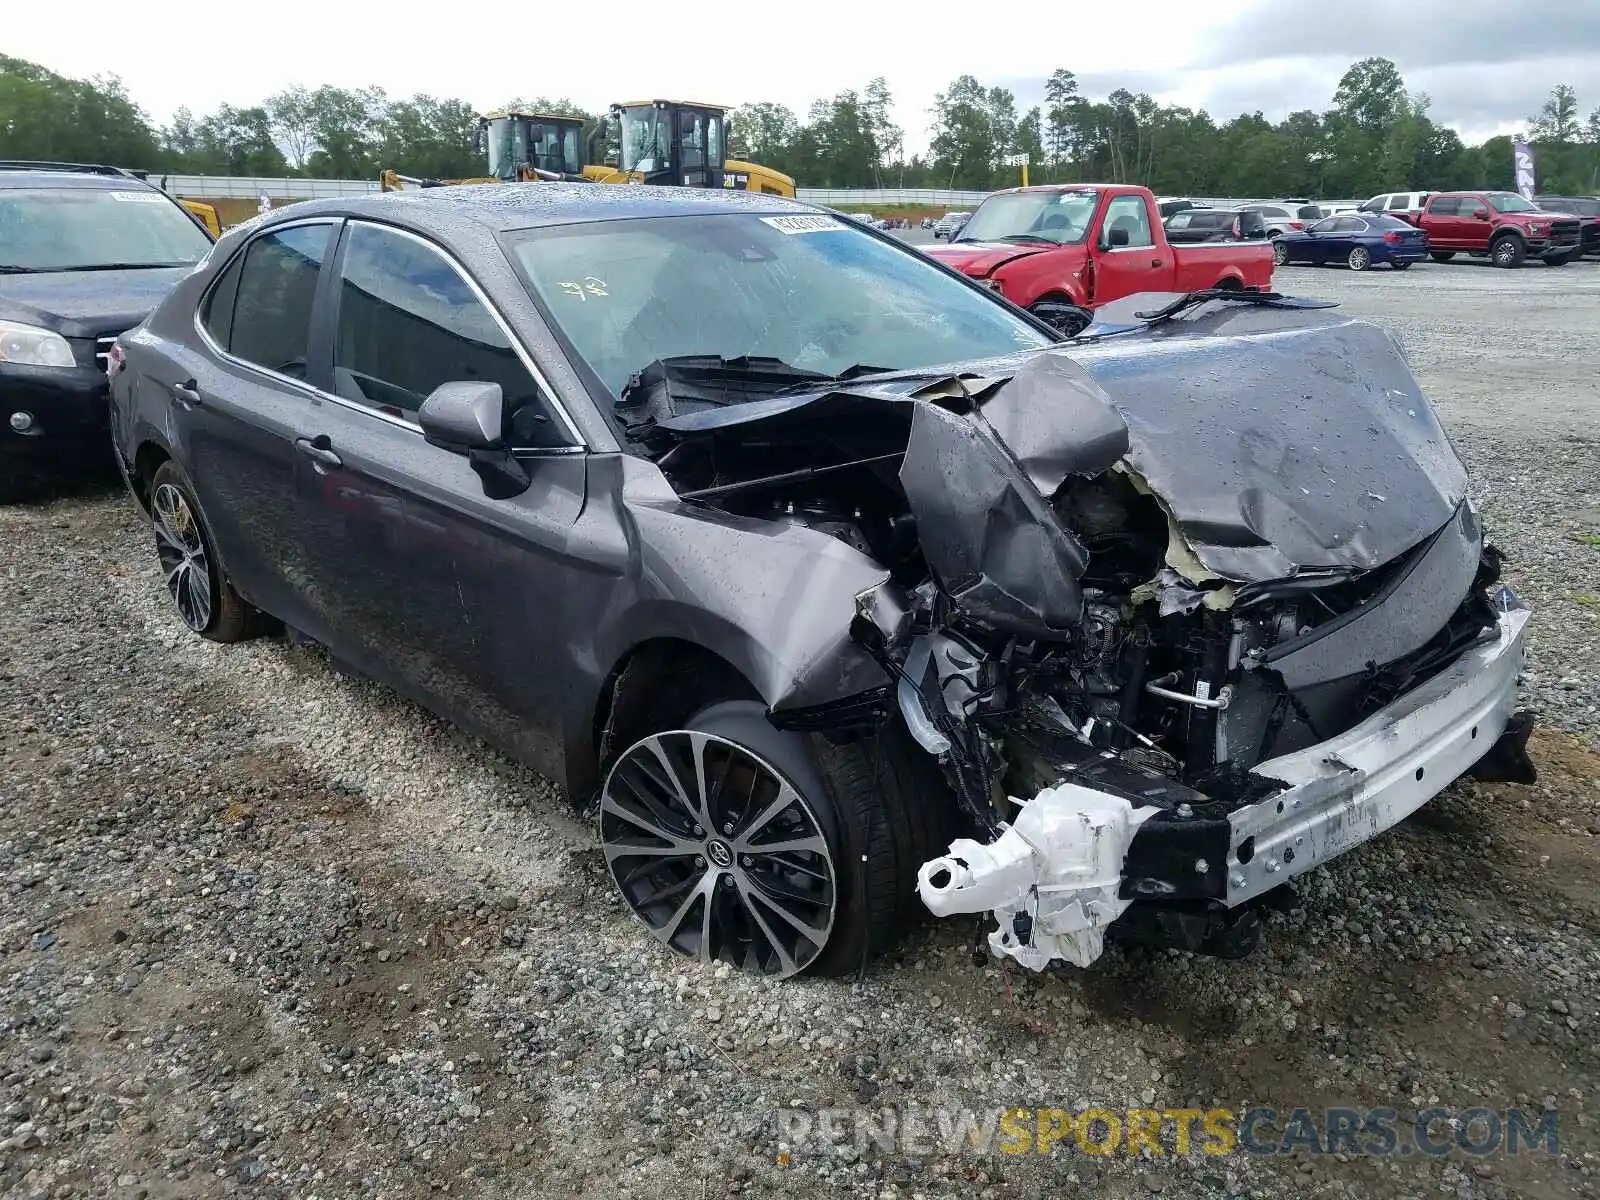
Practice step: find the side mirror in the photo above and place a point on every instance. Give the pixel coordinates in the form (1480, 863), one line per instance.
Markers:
(1116, 238)
(468, 417)
(464, 415)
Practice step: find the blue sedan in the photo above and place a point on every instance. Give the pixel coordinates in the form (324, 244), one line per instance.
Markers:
(1358, 240)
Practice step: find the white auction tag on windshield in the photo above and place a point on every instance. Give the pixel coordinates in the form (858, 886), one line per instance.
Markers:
(140, 197)
(802, 224)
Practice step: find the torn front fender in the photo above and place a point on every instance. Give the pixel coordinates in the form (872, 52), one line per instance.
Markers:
(979, 482)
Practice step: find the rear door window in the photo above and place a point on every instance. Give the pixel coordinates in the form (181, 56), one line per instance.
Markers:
(270, 321)
(1444, 206)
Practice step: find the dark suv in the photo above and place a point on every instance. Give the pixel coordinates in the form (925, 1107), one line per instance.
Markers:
(1214, 225)
(1586, 209)
(85, 254)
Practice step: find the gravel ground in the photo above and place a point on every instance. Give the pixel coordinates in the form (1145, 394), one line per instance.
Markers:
(268, 930)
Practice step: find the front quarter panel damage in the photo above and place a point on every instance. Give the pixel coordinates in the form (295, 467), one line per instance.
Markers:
(979, 484)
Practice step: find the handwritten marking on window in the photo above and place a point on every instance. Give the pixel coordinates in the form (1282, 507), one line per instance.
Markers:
(584, 288)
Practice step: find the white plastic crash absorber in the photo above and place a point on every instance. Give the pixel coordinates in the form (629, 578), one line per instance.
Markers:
(1059, 862)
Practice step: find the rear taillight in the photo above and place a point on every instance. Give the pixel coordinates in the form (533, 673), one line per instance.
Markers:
(1297, 224)
(1392, 236)
(114, 361)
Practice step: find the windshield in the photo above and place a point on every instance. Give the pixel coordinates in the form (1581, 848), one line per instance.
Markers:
(646, 139)
(1511, 202)
(79, 229)
(1057, 217)
(815, 292)
(508, 146)
(553, 146)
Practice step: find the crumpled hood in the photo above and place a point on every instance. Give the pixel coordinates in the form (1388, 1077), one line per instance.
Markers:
(1277, 441)
(86, 303)
(981, 259)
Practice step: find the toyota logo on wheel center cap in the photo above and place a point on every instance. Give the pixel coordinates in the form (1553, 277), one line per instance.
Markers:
(719, 852)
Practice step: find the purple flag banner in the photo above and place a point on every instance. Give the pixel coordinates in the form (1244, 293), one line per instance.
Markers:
(1522, 158)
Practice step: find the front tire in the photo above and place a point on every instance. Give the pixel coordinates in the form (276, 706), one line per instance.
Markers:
(1359, 259)
(775, 851)
(1507, 252)
(201, 595)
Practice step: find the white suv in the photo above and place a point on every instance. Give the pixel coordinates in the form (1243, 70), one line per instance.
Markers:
(1405, 205)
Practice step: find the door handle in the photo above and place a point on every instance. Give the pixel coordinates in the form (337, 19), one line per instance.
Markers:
(319, 450)
(1155, 262)
(187, 392)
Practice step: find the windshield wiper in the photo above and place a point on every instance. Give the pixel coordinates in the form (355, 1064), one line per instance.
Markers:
(1026, 237)
(124, 266)
(1232, 296)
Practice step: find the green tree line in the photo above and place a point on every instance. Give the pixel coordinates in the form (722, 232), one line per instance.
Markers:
(1375, 136)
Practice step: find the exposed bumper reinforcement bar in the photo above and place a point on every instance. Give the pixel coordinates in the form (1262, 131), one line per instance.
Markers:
(1350, 788)
(1052, 879)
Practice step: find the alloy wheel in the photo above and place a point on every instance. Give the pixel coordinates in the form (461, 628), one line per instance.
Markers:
(182, 552)
(1280, 253)
(1360, 259)
(718, 854)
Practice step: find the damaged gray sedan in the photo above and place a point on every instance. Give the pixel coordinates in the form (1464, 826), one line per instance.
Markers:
(833, 586)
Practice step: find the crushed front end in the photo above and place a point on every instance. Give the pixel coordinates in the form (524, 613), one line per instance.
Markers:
(1181, 614)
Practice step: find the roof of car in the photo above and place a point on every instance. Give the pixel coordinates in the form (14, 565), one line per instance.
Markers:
(507, 206)
(15, 174)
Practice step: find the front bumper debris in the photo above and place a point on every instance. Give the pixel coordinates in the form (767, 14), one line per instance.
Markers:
(1054, 877)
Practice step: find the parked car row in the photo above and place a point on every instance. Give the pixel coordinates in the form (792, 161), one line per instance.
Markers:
(1505, 227)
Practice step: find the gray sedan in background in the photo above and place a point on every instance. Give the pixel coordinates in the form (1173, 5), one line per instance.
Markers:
(794, 555)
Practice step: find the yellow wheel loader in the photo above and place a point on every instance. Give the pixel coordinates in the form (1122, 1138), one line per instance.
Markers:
(681, 143)
(658, 141)
(521, 147)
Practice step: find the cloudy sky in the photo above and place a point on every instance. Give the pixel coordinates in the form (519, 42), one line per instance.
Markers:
(1487, 64)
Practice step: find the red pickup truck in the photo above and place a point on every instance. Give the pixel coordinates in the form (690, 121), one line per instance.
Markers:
(1503, 225)
(1089, 244)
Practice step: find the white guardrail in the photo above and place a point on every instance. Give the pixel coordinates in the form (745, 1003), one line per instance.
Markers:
(219, 187)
